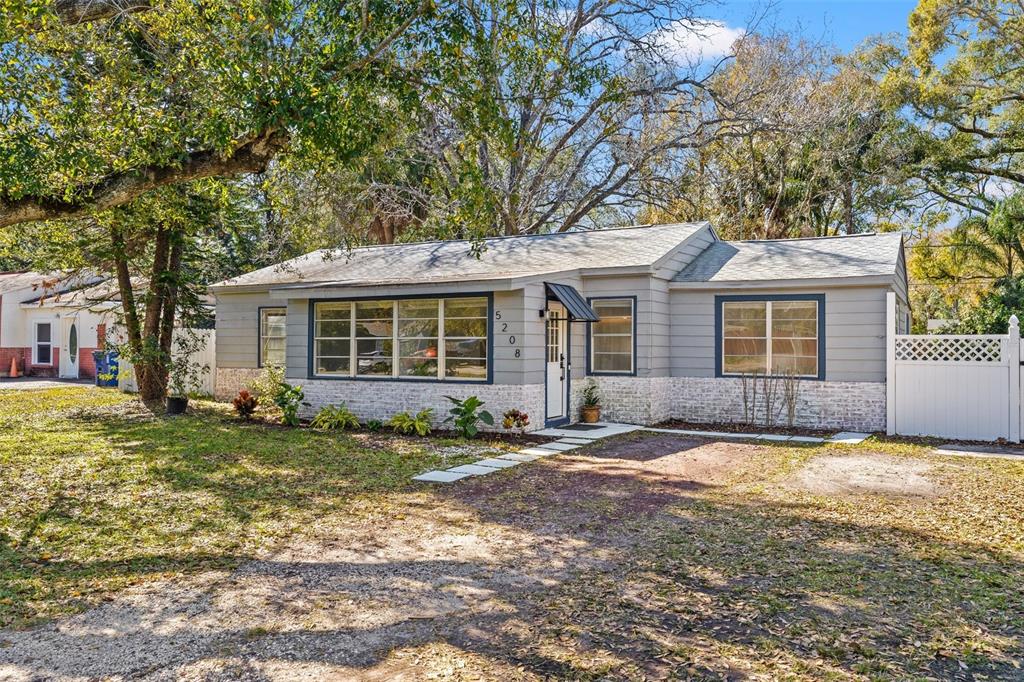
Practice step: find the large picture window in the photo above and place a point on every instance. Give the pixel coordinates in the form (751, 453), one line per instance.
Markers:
(774, 337)
(415, 339)
(273, 336)
(611, 338)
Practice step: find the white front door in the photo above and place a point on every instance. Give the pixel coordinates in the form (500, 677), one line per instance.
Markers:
(557, 361)
(69, 349)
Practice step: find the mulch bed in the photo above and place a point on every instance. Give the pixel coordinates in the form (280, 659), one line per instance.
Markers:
(745, 428)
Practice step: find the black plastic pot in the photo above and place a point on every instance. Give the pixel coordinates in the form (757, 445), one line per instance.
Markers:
(176, 404)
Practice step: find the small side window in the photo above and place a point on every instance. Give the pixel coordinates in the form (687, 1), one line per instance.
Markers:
(273, 336)
(611, 337)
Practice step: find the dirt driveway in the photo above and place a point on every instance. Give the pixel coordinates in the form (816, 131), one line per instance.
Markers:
(645, 557)
(380, 594)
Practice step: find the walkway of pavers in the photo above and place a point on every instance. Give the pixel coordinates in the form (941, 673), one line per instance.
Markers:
(570, 438)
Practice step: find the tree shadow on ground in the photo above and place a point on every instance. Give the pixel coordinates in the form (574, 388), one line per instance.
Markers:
(587, 567)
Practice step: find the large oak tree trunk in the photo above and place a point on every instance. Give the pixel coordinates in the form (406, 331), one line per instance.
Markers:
(149, 339)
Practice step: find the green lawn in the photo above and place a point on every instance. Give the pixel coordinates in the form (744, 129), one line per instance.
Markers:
(97, 494)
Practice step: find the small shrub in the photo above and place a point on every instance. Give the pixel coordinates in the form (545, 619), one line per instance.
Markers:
(245, 404)
(591, 397)
(403, 422)
(268, 384)
(335, 417)
(374, 425)
(289, 398)
(466, 414)
(515, 419)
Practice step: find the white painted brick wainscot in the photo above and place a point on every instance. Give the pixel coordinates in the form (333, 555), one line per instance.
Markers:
(851, 405)
(383, 399)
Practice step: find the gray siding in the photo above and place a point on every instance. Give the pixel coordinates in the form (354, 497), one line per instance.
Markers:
(238, 318)
(297, 349)
(854, 332)
(652, 321)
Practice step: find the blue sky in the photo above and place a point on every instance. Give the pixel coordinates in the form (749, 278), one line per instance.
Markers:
(843, 22)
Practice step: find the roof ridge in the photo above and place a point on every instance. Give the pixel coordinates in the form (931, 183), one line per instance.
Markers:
(811, 239)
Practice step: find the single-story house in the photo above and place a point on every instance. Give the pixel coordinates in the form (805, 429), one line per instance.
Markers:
(666, 319)
(48, 326)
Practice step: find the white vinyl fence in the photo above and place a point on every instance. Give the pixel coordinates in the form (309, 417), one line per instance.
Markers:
(204, 356)
(963, 387)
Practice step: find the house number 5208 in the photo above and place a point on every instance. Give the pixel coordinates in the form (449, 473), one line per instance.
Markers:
(504, 329)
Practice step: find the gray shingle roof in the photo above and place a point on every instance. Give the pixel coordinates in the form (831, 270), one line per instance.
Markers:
(454, 261)
(784, 259)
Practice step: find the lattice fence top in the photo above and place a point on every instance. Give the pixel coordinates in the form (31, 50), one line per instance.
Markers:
(949, 349)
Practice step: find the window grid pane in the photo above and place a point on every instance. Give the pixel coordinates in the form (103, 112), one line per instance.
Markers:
(465, 339)
(791, 347)
(418, 333)
(332, 339)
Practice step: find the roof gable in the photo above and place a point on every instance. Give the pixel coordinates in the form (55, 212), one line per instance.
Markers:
(864, 255)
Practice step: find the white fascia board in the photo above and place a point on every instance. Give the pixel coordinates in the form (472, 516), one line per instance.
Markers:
(819, 282)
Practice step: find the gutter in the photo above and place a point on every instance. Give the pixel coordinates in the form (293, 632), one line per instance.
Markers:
(817, 282)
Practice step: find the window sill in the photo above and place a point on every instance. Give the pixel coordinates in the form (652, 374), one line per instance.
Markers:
(404, 380)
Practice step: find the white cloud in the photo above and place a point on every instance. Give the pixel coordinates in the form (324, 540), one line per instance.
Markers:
(700, 39)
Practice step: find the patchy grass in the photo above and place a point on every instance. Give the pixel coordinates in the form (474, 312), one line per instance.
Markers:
(759, 579)
(98, 494)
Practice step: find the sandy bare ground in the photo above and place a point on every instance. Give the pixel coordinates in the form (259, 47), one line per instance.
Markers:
(869, 473)
(442, 582)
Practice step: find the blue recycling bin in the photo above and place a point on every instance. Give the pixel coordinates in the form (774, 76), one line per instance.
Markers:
(106, 366)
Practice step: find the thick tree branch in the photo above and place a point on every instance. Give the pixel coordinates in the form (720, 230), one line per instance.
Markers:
(81, 11)
(119, 189)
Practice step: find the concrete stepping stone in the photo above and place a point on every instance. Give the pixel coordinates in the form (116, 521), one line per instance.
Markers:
(439, 477)
(520, 457)
(473, 470)
(575, 441)
(849, 437)
(806, 439)
(538, 452)
(777, 437)
(558, 447)
(496, 463)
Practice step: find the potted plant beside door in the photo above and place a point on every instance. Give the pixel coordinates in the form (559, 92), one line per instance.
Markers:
(590, 413)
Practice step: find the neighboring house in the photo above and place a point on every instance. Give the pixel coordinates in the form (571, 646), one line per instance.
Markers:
(666, 319)
(49, 326)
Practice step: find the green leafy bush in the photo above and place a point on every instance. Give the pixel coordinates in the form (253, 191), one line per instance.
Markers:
(374, 425)
(403, 422)
(289, 398)
(591, 397)
(335, 417)
(466, 414)
(268, 383)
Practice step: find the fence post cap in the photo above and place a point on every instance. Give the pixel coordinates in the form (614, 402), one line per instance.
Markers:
(1013, 321)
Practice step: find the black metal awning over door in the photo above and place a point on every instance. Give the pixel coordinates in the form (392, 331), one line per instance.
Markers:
(576, 305)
